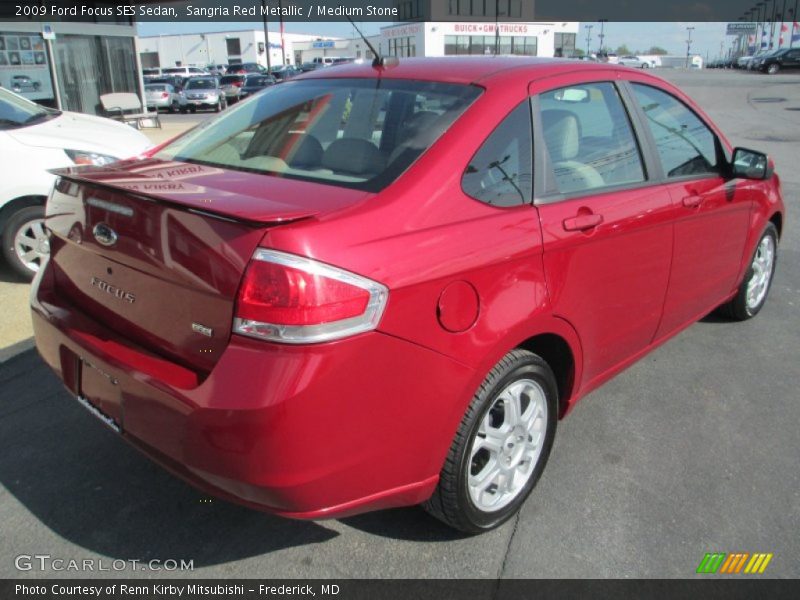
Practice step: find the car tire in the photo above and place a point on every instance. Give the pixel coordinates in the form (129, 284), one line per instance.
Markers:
(773, 68)
(173, 108)
(218, 106)
(193, 109)
(490, 451)
(754, 289)
(23, 232)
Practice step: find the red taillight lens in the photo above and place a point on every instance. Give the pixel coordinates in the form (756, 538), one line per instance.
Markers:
(237, 83)
(292, 299)
(165, 94)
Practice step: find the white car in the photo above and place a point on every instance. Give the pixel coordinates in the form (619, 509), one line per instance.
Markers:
(34, 139)
(633, 61)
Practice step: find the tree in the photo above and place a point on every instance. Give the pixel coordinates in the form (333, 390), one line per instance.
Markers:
(657, 50)
(623, 50)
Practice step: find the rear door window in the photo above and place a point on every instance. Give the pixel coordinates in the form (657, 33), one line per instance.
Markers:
(589, 138)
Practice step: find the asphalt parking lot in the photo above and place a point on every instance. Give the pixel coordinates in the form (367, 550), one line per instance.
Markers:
(694, 449)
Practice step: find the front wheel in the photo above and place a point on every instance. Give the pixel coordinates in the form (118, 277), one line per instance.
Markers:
(501, 446)
(25, 242)
(752, 294)
(773, 68)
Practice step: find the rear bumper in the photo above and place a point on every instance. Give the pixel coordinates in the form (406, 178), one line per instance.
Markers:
(309, 432)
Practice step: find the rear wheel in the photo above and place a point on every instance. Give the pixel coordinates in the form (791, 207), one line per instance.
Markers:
(753, 291)
(173, 108)
(501, 446)
(25, 243)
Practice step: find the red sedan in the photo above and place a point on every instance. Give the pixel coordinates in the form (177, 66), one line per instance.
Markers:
(373, 287)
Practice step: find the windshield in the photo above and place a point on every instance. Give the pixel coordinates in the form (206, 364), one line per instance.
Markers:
(357, 133)
(201, 84)
(16, 110)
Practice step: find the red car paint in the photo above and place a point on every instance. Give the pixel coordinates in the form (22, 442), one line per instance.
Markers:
(365, 422)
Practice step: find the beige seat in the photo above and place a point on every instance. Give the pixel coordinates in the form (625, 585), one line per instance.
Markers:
(562, 134)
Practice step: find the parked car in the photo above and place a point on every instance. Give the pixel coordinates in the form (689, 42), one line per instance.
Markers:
(633, 61)
(245, 68)
(24, 83)
(785, 59)
(176, 81)
(285, 72)
(324, 307)
(162, 96)
(255, 83)
(743, 61)
(151, 72)
(184, 72)
(217, 70)
(309, 66)
(34, 139)
(204, 92)
(232, 86)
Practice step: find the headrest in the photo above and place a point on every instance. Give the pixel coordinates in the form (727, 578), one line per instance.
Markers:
(302, 150)
(562, 134)
(354, 156)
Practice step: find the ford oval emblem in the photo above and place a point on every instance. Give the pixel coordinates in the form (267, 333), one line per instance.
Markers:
(104, 234)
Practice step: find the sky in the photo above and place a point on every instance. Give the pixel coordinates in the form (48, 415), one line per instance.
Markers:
(706, 37)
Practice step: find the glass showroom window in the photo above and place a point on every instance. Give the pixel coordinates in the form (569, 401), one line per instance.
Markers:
(90, 66)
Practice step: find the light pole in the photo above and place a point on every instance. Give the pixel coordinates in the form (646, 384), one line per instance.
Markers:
(602, 33)
(588, 37)
(689, 45)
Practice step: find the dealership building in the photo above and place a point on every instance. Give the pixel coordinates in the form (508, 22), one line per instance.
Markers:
(69, 65)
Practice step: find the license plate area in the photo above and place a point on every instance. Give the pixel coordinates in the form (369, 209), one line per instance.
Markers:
(99, 393)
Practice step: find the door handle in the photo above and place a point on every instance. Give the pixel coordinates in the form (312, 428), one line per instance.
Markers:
(692, 201)
(582, 222)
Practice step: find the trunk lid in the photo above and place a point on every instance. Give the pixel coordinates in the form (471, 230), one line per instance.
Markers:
(155, 250)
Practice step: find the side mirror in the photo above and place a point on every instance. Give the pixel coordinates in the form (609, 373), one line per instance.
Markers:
(750, 164)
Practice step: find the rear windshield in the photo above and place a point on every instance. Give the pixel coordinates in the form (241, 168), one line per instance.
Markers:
(258, 81)
(175, 70)
(201, 84)
(155, 88)
(356, 133)
(230, 79)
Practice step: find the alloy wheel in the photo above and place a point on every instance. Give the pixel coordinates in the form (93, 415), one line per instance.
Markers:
(762, 268)
(31, 244)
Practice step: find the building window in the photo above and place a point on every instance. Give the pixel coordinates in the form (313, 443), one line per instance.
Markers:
(565, 44)
(90, 66)
(480, 44)
(403, 47)
(234, 46)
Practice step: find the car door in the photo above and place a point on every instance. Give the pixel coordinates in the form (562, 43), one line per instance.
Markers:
(607, 230)
(792, 59)
(711, 229)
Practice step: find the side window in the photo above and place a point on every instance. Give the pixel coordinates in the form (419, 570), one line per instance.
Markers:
(589, 138)
(501, 172)
(686, 146)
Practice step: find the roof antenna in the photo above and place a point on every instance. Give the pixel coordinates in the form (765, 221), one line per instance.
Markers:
(378, 61)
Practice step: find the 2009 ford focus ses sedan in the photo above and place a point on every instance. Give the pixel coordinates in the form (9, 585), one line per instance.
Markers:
(373, 287)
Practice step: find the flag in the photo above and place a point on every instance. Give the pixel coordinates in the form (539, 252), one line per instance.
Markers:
(796, 32)
(764, 36)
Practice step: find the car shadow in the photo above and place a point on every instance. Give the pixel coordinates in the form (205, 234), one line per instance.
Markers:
(7, 275)
(409, 524)
(89, 487)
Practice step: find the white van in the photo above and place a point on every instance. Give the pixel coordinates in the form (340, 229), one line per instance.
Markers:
(327, 61)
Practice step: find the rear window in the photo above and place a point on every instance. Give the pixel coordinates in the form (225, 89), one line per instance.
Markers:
(356, 133)
(201, 84)
(230, 79)
(155, 88)
(175, 70)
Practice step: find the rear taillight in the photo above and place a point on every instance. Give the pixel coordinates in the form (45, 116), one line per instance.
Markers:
(237, 83)
(165, 94)
(295, 300)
